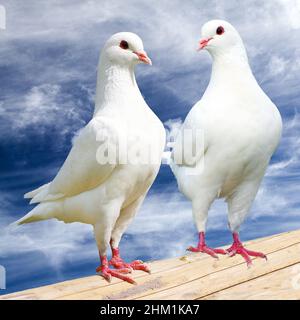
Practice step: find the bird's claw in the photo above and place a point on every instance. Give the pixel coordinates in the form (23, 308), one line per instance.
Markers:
(205, 249)
(202, 247)
(125, 270)
(245, 253)
(107, 274)
(136, 262)
(140, 266)
(118, 263)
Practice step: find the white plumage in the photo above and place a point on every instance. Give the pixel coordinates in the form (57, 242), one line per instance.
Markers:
(87, 188)
(241, 129)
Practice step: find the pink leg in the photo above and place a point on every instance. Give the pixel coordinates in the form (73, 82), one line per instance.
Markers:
(107, 273)
(202, 247)
(238, 248)
(117, 262)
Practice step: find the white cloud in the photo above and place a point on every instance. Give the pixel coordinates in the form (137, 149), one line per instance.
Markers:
(277, 66)
(43, 109)
(292, 12)
(57, 241)
(39, 105)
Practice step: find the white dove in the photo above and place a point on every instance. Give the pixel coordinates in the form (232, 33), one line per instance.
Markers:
(235, 130)
(114, 159)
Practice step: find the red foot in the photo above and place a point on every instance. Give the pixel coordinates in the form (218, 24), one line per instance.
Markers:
(118, 263)
(107, 273)
(238, 248)
(202, 247)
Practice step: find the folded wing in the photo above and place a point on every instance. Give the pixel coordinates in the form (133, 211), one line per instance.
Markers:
(86, 166)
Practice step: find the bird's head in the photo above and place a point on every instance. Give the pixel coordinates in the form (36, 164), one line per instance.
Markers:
(125, 48)
(219, 36)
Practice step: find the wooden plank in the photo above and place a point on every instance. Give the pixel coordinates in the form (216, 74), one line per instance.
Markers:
(229, 277)
(283, 284)
(192, 269)
(91, 282)
(95, 282)
(85, 284)
(171, 275)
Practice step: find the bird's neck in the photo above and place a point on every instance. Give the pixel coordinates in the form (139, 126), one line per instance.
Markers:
(231, 68)
(116, 85)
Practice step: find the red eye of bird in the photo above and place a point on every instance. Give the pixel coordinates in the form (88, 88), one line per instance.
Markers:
(220, 30)
(124, 44)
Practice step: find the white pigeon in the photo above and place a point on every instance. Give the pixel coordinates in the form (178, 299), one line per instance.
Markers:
(114, 159)
(227, 139)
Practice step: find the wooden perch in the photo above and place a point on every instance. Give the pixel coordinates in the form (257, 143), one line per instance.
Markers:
(196, 276)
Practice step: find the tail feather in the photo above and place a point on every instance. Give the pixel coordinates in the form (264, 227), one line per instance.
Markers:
(43, 211)
(44, 196)
(34, 192)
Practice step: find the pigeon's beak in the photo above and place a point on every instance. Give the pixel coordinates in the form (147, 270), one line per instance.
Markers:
(142, 55)
(203, 43)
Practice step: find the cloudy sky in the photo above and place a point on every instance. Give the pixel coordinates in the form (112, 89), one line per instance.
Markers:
(48, 57)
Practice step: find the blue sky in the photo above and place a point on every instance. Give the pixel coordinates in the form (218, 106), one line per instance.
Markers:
(48, 57)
